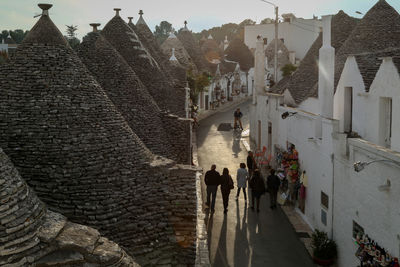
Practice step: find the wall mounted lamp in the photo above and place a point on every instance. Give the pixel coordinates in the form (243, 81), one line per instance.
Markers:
(287, 114)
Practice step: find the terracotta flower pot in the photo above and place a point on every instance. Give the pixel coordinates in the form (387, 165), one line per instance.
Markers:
(323, 262)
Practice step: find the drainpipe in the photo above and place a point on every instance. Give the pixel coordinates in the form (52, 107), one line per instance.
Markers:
(333, 191)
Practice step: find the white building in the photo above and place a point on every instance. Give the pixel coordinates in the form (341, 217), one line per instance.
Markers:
(340, 112)
(297, 34)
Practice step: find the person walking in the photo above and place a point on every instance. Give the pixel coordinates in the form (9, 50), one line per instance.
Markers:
(212, 180)
(238, 115)
(242, 176)
(250, 163)
(257, 189)
(273, 183)
(226, 187)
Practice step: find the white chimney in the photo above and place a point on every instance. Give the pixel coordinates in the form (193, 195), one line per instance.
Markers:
(326, 68)
(259, 69)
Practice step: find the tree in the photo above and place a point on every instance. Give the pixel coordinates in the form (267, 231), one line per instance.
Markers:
(267, 21)
(162, 31)
(71, 36)
(247, 22)
(17, 35)
(197, 83)
(288, 69)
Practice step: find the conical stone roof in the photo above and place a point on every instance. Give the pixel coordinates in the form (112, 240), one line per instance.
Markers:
(180, 52)
(150, 43)
(126, 91)
(127, 43)
(283, 55)
(193, 49)
(31, 235)
(74, 148)
(379, 29)
(303, 83)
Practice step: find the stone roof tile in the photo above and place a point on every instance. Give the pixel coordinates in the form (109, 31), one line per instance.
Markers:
(125, 90)
(379, 29)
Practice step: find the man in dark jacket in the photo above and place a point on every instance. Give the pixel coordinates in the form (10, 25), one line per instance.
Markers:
(212, 180)
(273, 184)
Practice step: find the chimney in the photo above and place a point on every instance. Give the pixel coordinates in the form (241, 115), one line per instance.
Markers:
(326, 68)
(117, 10)
(259, 69)
(45, 8)
(95, 25)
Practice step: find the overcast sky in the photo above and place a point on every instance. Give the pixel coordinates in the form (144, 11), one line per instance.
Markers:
(200, 14)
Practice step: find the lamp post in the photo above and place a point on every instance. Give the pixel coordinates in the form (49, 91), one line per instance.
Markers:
(359, 166)
(276, 41)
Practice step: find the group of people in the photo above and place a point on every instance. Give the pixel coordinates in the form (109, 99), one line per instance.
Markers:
(250, 176)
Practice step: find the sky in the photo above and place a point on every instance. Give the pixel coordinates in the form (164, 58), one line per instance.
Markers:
(200, 14)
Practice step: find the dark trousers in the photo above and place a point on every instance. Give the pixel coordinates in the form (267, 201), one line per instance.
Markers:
(244, 192)
(272, 197)
(253, 196)
(225, 198)
(211, 193)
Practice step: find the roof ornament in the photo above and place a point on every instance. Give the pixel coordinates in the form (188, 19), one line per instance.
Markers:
(173, 58)
(172, 35)
(45, 9)
(141, 20)
(95, 25)
(185, 27)
(130, 19)
(210, 37)
(117, 10)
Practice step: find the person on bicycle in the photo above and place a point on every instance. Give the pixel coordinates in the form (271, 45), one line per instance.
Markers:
(238, 115)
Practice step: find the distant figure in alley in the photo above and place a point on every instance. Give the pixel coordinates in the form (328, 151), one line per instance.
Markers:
(273, 184)
(257, 189)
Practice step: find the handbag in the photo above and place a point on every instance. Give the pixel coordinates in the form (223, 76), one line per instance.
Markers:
(231, 185)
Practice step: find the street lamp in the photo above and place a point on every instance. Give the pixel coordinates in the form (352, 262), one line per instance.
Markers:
(359, 166)
(276, 41)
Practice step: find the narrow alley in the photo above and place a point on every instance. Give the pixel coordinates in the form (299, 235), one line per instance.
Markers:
(243, 237)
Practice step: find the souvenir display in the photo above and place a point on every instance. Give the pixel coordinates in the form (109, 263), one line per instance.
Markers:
(372, 255)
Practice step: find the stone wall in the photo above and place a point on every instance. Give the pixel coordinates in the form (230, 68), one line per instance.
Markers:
(179, 134)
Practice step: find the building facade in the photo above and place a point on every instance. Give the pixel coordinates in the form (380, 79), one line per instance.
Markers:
(343, 112)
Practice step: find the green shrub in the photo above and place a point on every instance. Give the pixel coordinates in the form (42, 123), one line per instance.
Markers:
(324, 248)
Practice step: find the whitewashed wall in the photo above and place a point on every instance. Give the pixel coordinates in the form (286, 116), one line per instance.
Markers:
(366, 115)
(298, 36)
(315, 155)
(357, 197)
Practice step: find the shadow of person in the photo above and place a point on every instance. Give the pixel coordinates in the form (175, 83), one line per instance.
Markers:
(209, 224)
(236, 147)
(241, 247)
(221, 255)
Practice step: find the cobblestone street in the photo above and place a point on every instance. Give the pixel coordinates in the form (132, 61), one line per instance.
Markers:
(243, 237)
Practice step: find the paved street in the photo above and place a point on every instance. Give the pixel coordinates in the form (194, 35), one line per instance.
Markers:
(243, 237)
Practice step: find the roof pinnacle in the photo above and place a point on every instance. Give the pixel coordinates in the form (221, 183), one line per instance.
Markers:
(95, 25)
(117, 10)
(45, 8)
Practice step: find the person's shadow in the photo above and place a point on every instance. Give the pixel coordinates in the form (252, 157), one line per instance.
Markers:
(241, 249)
(221, 258)
(236, 143)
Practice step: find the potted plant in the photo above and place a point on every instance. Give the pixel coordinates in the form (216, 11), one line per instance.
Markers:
(324, 248)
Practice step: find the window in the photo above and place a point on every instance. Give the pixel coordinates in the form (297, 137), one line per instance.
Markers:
(324, 200)
(348, 109)
(385, 121)
(323, 217)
